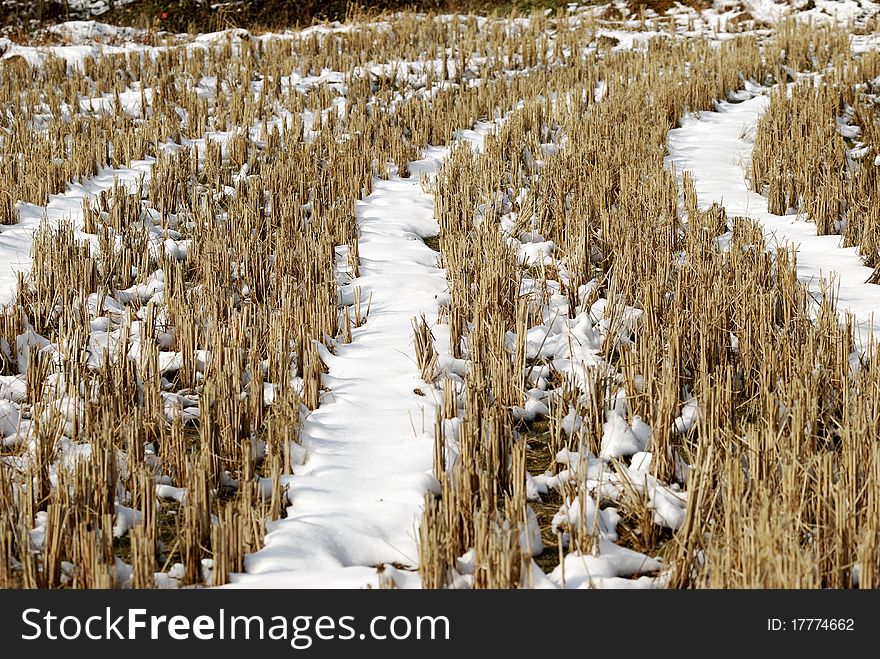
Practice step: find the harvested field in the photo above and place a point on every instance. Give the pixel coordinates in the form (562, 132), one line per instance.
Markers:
(575, 298)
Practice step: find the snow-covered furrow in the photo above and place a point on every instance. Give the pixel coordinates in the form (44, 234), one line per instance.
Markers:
(16, 240)
(357, 499)
(716, 147)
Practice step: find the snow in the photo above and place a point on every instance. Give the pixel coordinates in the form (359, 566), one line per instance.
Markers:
(827, 11)
(620, 438)
(604, 568)
(585, 514)
(9, 418)
(16, 240)
(365, 463)
(357, 500)
(668, 503)
(87, 32)
(93, 7)
(715, 147)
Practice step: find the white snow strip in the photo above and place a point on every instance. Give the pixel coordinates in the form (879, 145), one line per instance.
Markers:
(357, 500)
(716, 147)
(16, 240)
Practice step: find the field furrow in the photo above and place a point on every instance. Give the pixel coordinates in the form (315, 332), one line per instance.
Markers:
(356, 500)
(716, 148)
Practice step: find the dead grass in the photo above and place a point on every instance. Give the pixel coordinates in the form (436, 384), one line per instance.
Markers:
(776, 409)
(215, 286)
(803, 159)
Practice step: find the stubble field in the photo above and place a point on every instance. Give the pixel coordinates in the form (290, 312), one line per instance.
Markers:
(571, 299)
